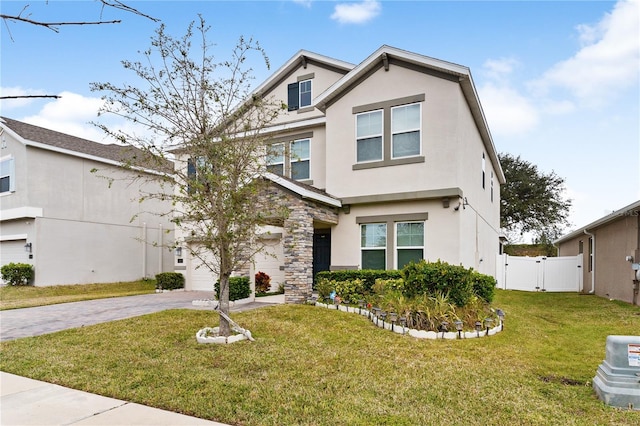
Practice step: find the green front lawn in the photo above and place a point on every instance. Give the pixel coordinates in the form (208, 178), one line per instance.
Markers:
(14, 297)
(317, 366)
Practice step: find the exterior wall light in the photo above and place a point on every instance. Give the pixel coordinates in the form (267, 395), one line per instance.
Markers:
(178, 251)
(28, 248)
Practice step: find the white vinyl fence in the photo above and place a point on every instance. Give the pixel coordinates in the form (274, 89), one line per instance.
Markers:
(539, 273)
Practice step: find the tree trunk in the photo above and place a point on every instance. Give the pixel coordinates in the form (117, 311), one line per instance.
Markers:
(225, 327)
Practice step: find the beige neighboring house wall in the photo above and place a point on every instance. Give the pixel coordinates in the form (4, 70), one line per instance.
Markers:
(79, 229)
(450, 188)
(610, 247)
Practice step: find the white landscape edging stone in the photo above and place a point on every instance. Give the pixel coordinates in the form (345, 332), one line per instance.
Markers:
(210, 335)
(418, 334)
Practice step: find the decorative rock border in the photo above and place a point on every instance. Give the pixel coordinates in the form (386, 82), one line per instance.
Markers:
(419, 334)
(210, 335)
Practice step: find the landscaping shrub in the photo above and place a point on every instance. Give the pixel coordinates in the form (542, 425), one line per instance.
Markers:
(239, 288)
(263, 282)
(439, 277)
(324, 287)
(368, 276)
(350, 291)
(17, 273)
(169, 281)
(484, 286)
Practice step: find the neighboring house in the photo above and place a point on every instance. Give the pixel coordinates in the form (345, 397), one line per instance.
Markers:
(380, 163)
(69, 223)
(610, 247)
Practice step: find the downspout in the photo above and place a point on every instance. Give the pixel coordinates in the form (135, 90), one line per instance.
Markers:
(144, 250)
(593, 261)
(160, 246)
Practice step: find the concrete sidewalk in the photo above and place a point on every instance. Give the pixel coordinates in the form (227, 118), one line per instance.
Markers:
(31, 402)
(25, 401)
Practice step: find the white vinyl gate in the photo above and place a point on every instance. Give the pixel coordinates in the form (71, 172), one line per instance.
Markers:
(539, 273)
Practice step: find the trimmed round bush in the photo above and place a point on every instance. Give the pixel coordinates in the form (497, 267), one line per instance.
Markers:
(169, 281)
(17, 273)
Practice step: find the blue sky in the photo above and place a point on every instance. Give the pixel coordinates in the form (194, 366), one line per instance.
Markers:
(559, 82)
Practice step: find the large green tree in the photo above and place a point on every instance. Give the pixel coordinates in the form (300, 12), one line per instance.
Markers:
(532, 201)
(200, 110)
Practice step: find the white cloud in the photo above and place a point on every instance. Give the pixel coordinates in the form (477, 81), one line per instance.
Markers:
(498, 69)
(356, 13)
(508, 112)
(607, 63)
(14, 104)
(70, 114)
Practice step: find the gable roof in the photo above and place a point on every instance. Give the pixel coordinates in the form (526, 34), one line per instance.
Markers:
(386, 55)
(304, 191)
(52, 140)
(632, 209)
(301, 58)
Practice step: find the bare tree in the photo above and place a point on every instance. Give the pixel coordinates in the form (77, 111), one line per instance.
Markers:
(24, 17)
(201, 112)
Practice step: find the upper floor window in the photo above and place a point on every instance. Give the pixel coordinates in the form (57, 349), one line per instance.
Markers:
(275, 159)
(389, 133)
(305, 93)
(369, 136)
(299, 159)
(291, 159)
(405, 131)
(483, 169)
(7, 175)
(299, 94)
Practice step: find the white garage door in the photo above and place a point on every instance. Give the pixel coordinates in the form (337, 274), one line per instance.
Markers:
(199, 278)
(13, 252)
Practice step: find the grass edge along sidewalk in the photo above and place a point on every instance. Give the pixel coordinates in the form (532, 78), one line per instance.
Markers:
(325, 367)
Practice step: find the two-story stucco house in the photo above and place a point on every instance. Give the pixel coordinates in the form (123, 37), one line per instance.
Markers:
(68, 222)
(381, 163)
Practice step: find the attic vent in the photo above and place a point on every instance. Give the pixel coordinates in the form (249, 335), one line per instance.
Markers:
(385, 61)
(304, 62)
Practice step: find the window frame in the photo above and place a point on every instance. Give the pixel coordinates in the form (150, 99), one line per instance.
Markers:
(300, 92)
(370, 136)
(419, 130)
(398, 247)
(366, 248)
(10, 174)
(283, 156)
(287, 158)
(300, 159)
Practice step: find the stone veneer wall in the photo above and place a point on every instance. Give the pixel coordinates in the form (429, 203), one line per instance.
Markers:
(298, 241)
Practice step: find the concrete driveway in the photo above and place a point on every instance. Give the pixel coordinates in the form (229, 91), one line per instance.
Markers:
(27, 322)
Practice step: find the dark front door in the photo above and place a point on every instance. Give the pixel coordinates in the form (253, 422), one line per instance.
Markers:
(321, 250)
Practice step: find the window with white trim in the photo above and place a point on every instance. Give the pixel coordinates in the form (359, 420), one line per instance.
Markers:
(405, 131)
(305, 93)
(373, 245)
(369, 136)
(299, 158)
(409, 243)
(275, 158)
(290, 159)
(7, 175)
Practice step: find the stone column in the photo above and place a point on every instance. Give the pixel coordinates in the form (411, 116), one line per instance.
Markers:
(298, 255)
